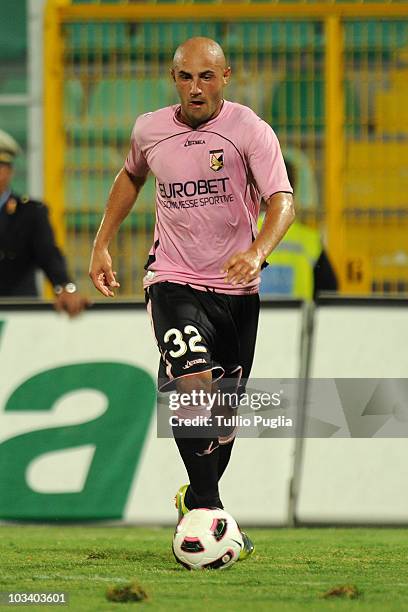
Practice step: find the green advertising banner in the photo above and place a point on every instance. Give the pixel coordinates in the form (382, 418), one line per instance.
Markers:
(78, 435)
(116, 438)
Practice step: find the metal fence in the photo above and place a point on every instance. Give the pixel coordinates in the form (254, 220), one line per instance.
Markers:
(330, 78)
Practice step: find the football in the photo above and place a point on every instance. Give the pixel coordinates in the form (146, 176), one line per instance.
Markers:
(207, 539)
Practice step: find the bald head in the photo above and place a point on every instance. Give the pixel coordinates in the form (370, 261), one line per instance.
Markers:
(199, 47)
(200, 74)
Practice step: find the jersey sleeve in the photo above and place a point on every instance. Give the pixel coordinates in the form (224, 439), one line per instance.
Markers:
(136, 163)
(265, 160)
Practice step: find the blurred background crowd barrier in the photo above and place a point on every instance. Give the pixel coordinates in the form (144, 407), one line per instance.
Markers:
(330, 77)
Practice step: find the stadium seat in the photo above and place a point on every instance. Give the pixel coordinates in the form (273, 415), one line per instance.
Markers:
(89, 174)
(165, 37)
(391, 111)
(90, 39)
(13, 119)
(95, 38)
(114, 105)
(273, 36)
(376, 34)
(306, 184)
(259, 95)
(376, 212)
(398, 77)
(13, 41)
(14, 85)
(88, 191)
(74, 99)
(376, 175)
(298, 105)
(93, 158)
(20, 177)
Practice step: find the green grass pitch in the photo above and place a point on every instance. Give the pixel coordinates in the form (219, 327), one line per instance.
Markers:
(291, 569)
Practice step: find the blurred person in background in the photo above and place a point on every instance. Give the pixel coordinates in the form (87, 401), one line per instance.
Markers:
(299, 266)
(27, 242)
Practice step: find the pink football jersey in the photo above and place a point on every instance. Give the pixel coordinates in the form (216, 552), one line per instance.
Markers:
(209, 183)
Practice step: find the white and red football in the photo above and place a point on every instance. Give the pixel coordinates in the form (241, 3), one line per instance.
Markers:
(207, 539)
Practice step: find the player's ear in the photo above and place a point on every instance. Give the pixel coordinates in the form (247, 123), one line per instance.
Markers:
(173, 74)
(226, 75)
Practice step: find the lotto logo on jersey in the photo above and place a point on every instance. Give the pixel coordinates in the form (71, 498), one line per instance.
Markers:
(217, 159)
(189, 364)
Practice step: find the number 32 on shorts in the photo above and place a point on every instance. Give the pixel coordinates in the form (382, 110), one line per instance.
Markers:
(175, 335)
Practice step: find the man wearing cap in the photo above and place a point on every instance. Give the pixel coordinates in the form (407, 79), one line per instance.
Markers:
(27, 242)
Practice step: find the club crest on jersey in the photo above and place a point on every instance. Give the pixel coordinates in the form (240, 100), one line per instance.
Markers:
(217, 159)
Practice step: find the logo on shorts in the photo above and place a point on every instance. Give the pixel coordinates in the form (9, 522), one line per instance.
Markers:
(189, 364)
(217, 159)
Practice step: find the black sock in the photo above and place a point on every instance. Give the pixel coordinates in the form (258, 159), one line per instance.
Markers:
(224, 455)
(202, 468)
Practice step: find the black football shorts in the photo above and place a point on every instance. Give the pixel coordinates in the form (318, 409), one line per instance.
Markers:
(197, 331)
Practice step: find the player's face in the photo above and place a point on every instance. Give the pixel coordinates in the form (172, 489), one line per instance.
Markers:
(200, 82)
(6, 172)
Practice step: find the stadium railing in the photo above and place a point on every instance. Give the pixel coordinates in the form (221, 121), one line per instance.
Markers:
(328, 76)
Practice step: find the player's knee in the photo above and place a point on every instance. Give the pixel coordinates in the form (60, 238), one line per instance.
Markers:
(201, 381)
(198, 387)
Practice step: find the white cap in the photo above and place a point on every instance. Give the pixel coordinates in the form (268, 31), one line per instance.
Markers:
(9, 148)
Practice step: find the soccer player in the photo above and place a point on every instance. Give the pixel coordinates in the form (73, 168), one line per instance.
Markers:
(213, 161)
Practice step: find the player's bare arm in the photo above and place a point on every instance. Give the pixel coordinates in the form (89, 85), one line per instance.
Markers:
(124, 192)
(280, 214)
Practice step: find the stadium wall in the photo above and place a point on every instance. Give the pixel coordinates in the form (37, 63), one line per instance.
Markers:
(358, 480)
(78, 436)
(78, 431)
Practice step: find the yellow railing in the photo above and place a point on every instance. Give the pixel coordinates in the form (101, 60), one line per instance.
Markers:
(53, 120)
(358, 262)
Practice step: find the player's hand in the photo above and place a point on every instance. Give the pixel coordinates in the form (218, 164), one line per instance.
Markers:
(71, 303)
(101, 273)
(242, 268)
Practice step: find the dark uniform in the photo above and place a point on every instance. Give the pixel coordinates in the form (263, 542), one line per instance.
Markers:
(27, 243)
(219, 332)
